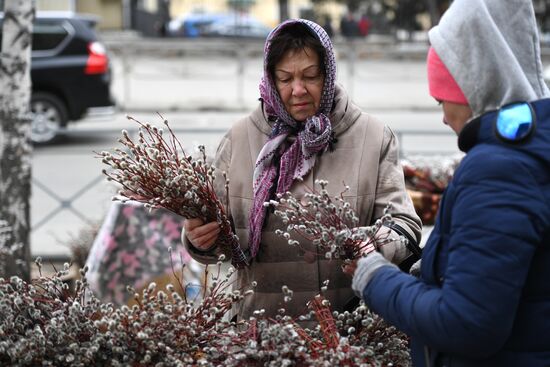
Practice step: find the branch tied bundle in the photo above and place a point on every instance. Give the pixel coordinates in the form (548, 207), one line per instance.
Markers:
(330, 224)
(47, 323)
(356, 338)
(156, 171)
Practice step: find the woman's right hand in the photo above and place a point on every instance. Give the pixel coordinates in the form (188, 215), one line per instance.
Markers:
(202, 236)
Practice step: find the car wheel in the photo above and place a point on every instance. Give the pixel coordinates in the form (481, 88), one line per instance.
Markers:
(48, 114)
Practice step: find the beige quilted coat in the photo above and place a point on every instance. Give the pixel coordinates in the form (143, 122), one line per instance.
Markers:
(365, 158)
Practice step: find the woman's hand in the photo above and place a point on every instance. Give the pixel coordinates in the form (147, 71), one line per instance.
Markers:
(202, 236)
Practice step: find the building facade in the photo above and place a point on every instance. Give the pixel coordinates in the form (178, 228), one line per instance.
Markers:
(133, 14)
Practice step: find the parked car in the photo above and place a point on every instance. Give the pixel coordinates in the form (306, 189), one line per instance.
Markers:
(192, 25)
(70, 72)
(237, 26)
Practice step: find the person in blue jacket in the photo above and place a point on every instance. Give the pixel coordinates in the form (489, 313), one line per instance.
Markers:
(483, 294)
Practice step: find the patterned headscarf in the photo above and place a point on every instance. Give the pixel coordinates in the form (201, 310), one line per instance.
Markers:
(293, 162)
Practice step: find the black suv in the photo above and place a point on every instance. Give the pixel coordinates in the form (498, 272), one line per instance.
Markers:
(70, 72)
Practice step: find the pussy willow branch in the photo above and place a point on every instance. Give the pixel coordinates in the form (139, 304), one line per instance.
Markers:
(156, 171)
(330, 224)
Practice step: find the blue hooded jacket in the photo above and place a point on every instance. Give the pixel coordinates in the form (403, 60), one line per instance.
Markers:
(484, 294)
(483, 297)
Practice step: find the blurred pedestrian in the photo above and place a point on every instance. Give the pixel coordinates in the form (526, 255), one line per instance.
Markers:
(327, 25)
(483, 296)
(348, 26)
(364, 25)
(305, 128)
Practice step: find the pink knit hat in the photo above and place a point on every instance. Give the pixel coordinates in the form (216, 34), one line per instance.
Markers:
(443, 86)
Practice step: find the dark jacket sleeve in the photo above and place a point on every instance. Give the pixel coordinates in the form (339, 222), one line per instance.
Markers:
(497, 222)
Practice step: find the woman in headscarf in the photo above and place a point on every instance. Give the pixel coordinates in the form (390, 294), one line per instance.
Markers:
(483, 296)
(304, 129)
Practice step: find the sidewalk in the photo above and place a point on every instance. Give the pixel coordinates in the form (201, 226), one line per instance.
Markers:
(190, 75)
(200, 80)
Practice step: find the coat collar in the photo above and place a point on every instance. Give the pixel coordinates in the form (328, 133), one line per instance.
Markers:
(481, 130)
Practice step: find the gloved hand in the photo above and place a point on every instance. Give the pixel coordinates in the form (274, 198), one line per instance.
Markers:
(365, 270)
(388, 243)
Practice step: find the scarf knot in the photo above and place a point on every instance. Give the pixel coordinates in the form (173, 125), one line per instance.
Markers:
(316, 135)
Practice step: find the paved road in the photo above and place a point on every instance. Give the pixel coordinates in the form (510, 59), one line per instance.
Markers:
(222, 83)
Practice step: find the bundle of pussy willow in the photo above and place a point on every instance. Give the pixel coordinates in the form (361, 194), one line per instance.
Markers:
(45, 323)
(330, 224)
(155, 170)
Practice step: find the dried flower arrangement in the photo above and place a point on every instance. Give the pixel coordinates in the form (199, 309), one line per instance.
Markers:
(79, 243)
(156, 171)
(330, 224)
(426, 179)
(45, 323)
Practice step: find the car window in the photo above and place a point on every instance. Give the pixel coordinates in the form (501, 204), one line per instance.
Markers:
(47, 35)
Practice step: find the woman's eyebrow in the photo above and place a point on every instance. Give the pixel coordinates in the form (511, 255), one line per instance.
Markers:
(312, 66)
(290, 72)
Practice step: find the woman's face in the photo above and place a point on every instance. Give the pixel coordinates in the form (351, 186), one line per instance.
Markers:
(456, 115)
(299, 81)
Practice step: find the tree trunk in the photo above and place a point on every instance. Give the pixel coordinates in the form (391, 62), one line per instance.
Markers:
(15, 146)
(283, 10)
